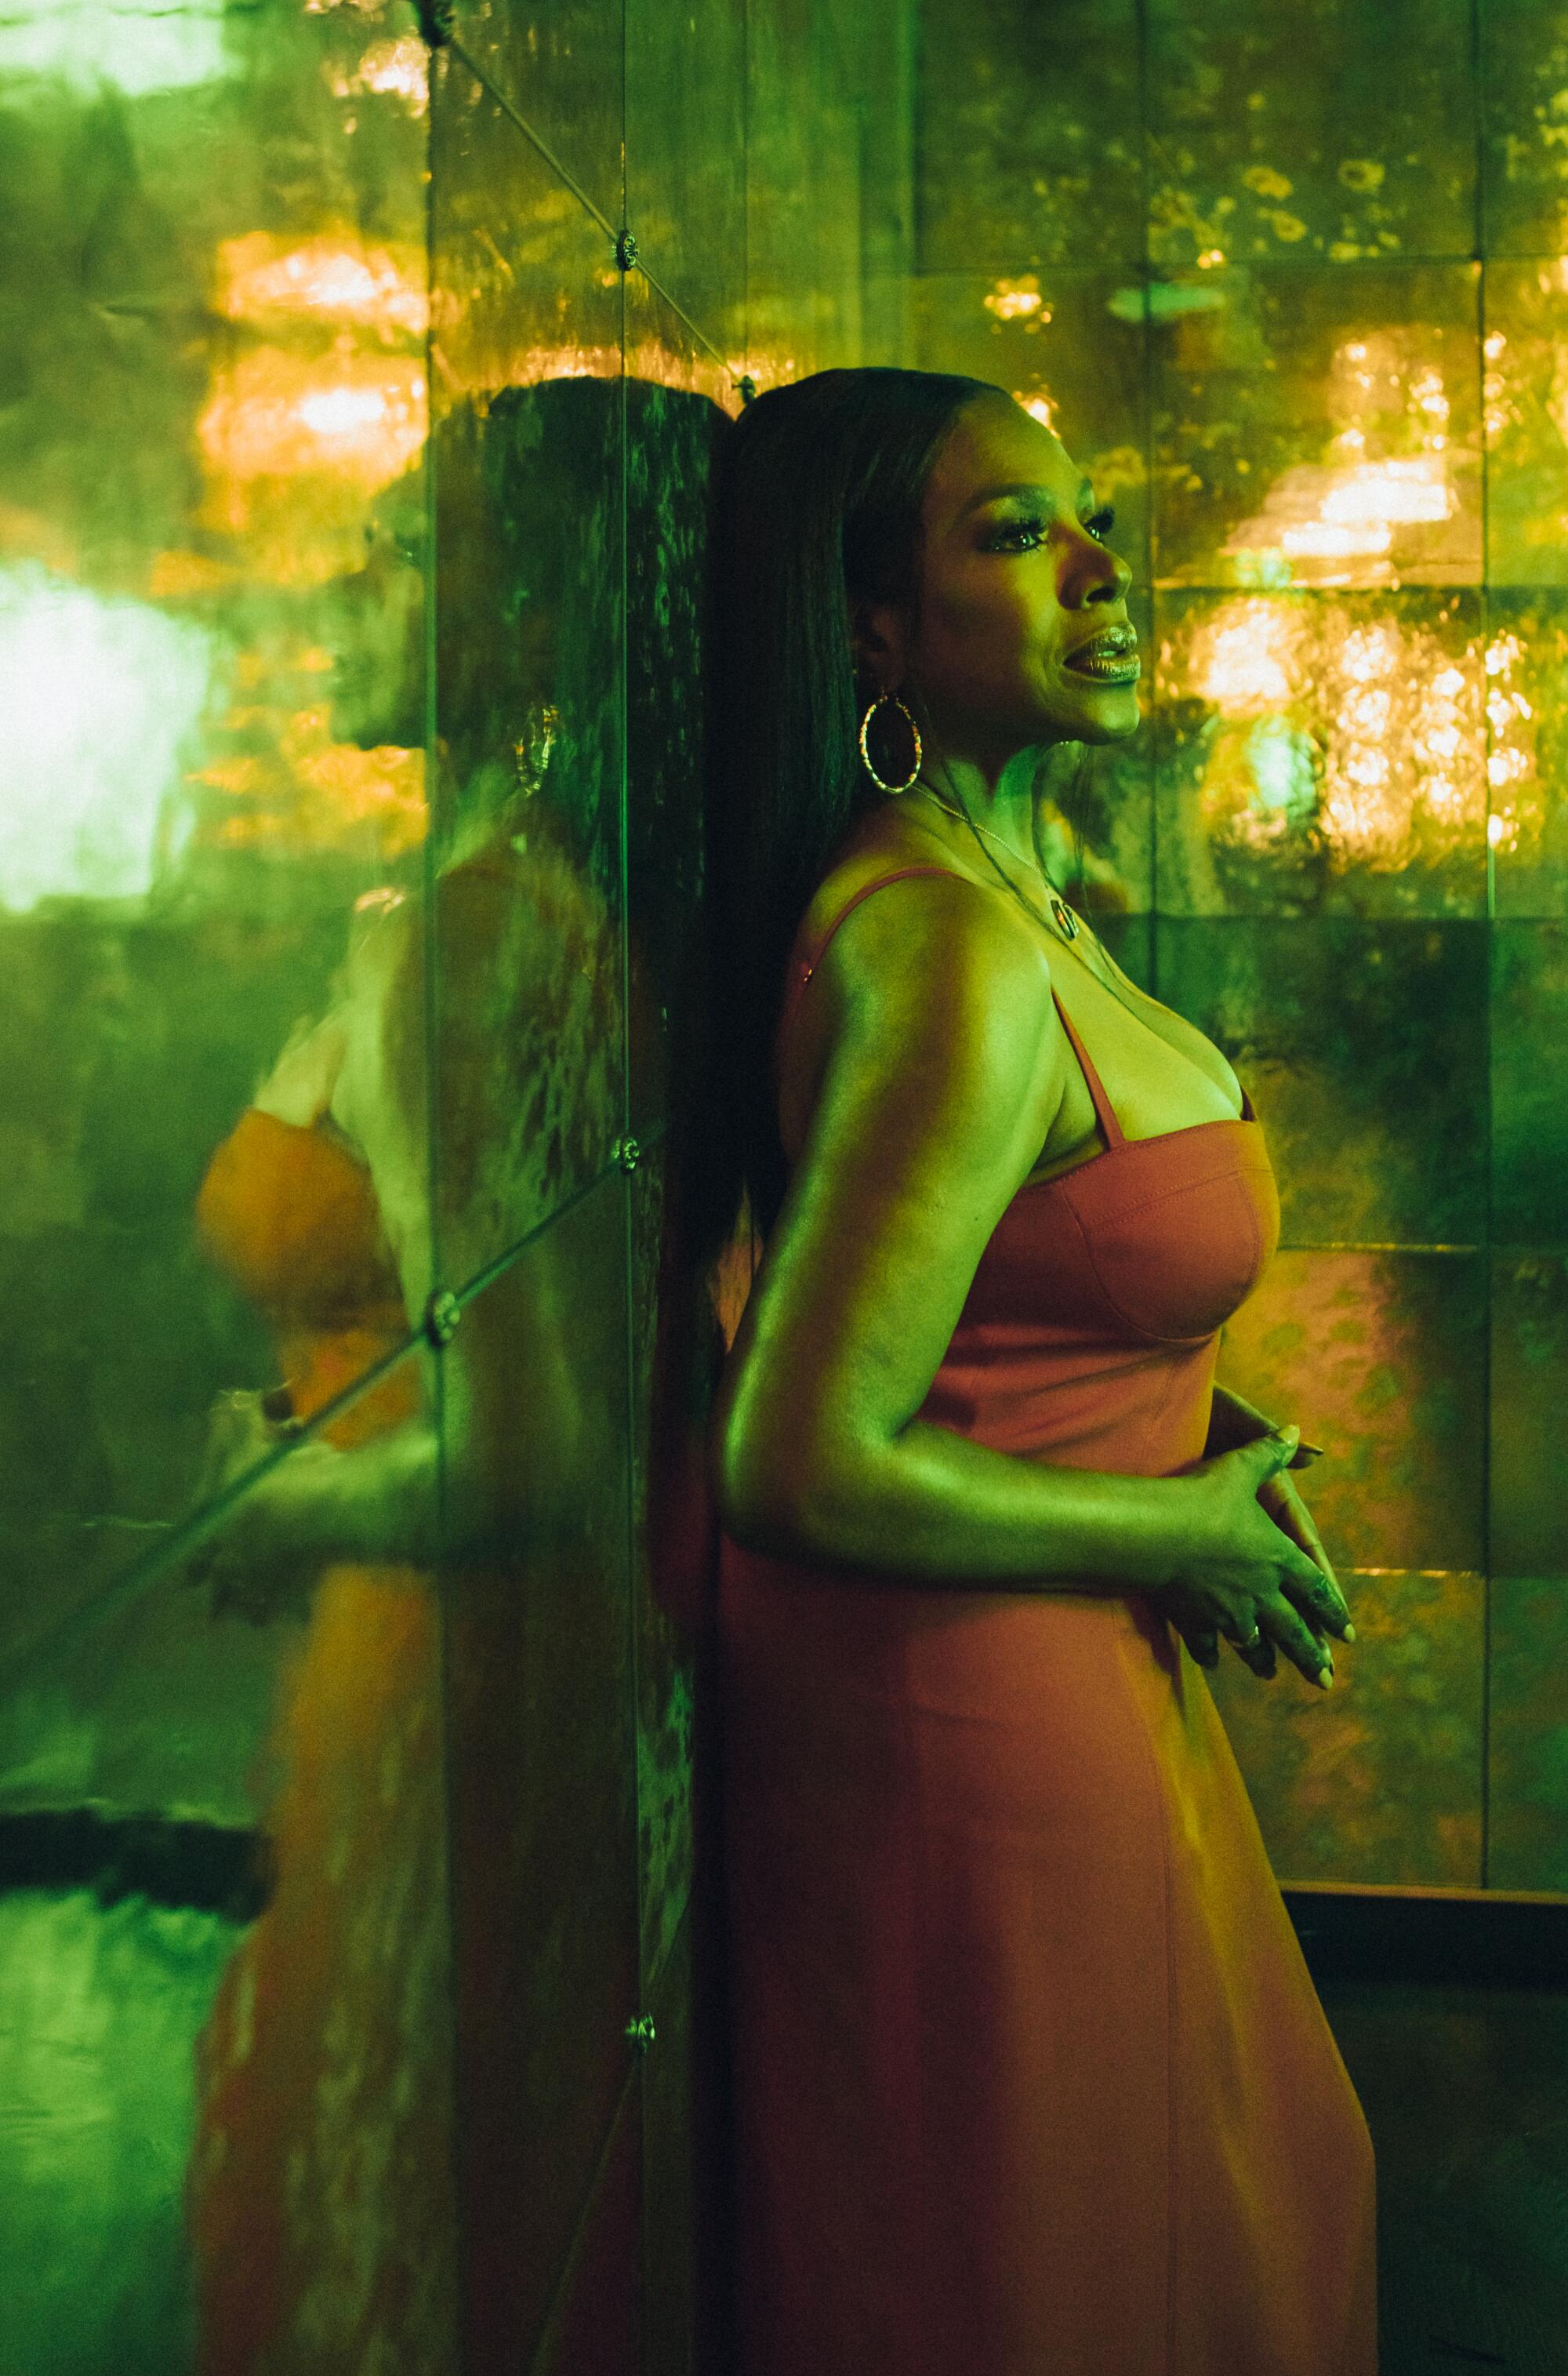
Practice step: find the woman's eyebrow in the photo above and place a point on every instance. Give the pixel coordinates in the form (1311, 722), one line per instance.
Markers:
(1023, 487)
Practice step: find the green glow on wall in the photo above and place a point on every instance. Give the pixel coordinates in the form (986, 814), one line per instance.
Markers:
(99, 695)
(1282, 763)
(87, 43)
(100, 2012)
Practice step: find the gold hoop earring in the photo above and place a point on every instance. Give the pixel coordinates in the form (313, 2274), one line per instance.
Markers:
(865, 755)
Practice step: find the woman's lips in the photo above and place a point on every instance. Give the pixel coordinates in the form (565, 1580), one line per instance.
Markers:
(1111, 667)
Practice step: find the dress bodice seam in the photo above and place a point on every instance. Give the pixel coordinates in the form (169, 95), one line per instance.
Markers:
(1152, 1337)
(1156, 1138)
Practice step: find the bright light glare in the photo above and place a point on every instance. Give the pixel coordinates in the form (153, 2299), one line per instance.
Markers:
(1383, 491)
(1011, 299)
(1245, 660)
(140, 49)
(97, 696)
(401, 65)
(1327, 540)
(341, 412)
(262, 277)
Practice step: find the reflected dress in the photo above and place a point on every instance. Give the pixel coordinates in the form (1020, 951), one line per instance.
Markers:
(1030, 2077)
(319, 2194)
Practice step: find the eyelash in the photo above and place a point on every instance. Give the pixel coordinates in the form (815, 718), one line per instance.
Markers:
(1017, 528)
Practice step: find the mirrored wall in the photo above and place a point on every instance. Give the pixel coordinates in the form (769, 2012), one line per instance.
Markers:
(352, 468)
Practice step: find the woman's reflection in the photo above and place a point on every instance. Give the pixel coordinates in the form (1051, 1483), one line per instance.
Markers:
(321, 2188)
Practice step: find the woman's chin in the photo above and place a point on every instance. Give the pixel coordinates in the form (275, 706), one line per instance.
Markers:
(1106, 721)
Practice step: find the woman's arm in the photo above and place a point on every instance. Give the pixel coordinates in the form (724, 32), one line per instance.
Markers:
(945, 1069)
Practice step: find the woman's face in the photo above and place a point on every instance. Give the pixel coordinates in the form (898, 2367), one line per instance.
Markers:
(1015, 578)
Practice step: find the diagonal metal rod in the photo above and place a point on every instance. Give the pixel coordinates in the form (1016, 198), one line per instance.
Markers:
(736, 379)
(525, 128)
(172, 1540)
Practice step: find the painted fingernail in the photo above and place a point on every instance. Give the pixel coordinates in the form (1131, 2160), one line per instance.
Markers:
(1325, 1678)
(1349, 1632)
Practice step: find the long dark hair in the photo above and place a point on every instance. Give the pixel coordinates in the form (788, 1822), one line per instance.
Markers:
(816, 508)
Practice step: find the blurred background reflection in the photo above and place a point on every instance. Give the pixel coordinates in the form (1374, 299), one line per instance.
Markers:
(353, 479)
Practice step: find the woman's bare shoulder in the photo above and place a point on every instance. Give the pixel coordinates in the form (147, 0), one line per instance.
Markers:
(946, 940)
(888, 847)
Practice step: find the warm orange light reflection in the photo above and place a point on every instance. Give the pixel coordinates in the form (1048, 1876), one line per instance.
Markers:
(475, 353)
(1519, 810)
(305, 424)
(1038, 405)
(399, 67)
(1364, 727)
(274, 414)
(663, 366)
(334, 277)
(1340, 514)
(1386, 492)
(310, 793)
(1358, 516)
(1015, 301)
(466, 367)
(1245, 657)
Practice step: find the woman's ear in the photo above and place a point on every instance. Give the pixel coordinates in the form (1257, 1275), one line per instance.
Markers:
(877, 642)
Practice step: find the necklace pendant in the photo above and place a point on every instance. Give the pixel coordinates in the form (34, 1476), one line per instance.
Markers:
(1066, 918)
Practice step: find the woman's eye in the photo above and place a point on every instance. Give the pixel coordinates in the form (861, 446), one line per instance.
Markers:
(1021, 536)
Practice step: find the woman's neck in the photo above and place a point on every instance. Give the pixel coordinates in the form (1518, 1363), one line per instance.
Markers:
(1005, 806)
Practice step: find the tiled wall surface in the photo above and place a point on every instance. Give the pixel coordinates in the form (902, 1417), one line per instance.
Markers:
(1301, 316)
(350, 494)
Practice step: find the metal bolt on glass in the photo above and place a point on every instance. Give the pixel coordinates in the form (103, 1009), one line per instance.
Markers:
(640, 2031)
(628, 1154)
(442, 1314)
(627, 250)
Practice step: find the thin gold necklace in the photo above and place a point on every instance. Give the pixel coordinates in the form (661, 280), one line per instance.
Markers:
(1068, 923)
(1060, 914)
(1065, 919)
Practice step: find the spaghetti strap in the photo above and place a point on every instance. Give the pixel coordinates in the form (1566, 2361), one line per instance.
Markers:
(801, 970)
(1104, 1112)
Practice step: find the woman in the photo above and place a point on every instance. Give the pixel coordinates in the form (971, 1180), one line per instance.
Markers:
(1030, 2073)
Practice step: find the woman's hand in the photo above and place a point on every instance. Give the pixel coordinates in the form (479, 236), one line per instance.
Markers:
(1280, 1497)
(248, 1565)
(1233, 1421)
(1252, 1568)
